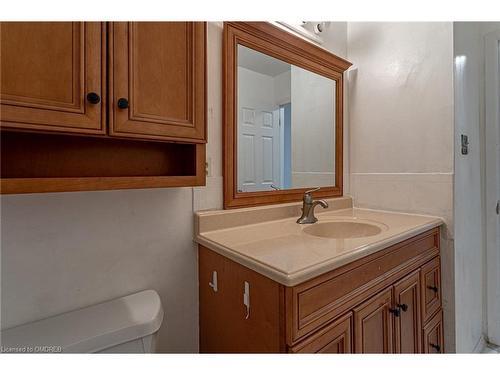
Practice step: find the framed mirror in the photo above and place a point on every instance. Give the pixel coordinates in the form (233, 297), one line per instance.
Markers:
(282, 116)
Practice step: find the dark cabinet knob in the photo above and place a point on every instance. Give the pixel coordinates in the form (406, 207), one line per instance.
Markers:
(396, 312)
(437, 347)
(93, 98)
(122, 103)
(403, 306)
(433, 288)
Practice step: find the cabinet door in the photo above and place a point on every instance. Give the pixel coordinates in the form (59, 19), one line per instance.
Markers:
(407, 324)
(157, 80)
(431, 288)
(335, 338)
(47, 70)
(433, 335)
(373, 324)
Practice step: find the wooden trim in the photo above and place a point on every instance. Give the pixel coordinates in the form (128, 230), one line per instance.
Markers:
(271, 40)
(48, 185)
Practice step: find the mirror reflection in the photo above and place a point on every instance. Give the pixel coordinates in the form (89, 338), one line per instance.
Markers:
(286, 125)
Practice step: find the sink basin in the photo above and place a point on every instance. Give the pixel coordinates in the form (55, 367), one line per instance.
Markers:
(342, 229)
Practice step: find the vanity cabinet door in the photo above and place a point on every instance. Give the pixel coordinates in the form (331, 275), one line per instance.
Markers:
(373, 324)
(407, 327)
(336, 338)
(431, 288)
(53, 76)
(433, 335)
(157, 80)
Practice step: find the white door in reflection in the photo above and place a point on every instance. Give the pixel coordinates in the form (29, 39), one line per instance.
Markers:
(260, 141)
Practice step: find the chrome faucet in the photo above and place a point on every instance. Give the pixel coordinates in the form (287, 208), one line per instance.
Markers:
(308, 205)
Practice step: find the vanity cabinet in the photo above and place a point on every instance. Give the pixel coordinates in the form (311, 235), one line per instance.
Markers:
(97, 106)
(372, 305)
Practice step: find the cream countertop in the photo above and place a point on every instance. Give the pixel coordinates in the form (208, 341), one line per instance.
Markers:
(277, 247)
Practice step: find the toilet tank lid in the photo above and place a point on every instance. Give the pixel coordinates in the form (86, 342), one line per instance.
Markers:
(90, 329)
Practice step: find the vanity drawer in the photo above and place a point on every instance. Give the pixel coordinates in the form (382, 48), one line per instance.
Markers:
(433, 335)
(335, 338)
(317, 302)
(430, 277)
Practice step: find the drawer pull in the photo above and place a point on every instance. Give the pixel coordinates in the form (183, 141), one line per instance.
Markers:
(433, 288)
(396, 312)
(403, 306)
(437, 347)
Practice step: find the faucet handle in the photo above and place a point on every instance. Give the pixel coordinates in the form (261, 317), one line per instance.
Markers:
(312, 190)
(308, 195)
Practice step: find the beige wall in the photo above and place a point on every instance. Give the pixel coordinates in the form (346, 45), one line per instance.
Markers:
(401, 126)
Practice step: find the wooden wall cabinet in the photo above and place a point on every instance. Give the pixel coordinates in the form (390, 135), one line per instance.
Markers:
(372, 305)
(158, 68)
(62, 130)
(47, 70)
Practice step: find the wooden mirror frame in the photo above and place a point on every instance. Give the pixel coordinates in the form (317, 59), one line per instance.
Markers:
(273, 41)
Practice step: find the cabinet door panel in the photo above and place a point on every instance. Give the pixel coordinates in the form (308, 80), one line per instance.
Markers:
(159, 67)
(373, 324)
(433, 335)
(336, 338)
(47, 70)
(431, 288)
(408, 325)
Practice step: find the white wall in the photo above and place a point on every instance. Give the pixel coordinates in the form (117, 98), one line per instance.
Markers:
(68, 250)
(470, 258)
(64, 251)
(401, 127)
(313, 130)
(282, 88)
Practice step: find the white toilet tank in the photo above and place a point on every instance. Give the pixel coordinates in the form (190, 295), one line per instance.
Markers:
(125, 325)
